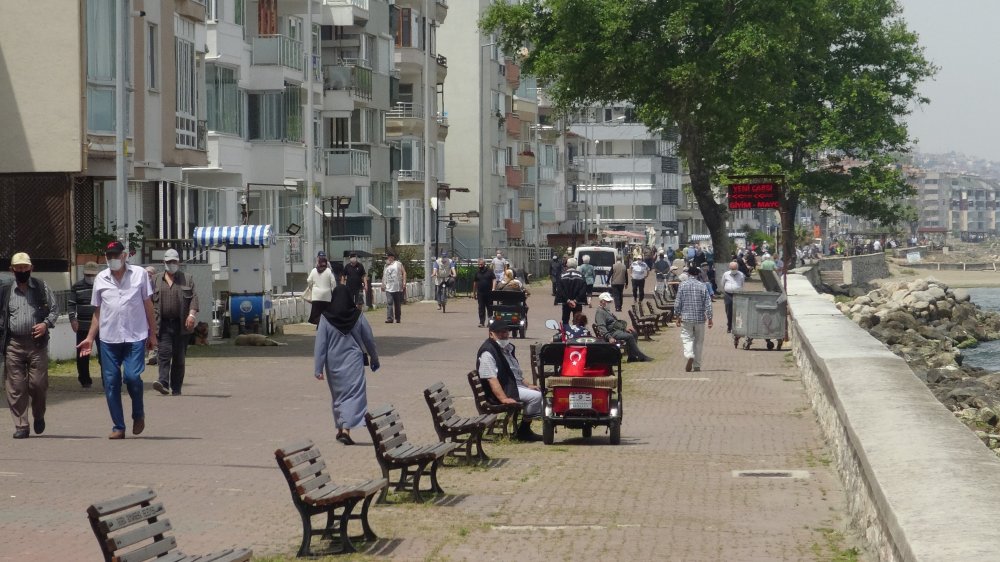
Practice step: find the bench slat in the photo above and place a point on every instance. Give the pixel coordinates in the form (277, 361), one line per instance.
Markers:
(129, 518)
(299, 458)
(139, 535)
(312, 484)
(390, 444)
(307, 470)
(434, 388)
(148, 552)
(390, 431)
(381, 411)
(178, 556)
(228, 555)
(110, 506)
(293, 448)
(331, 494)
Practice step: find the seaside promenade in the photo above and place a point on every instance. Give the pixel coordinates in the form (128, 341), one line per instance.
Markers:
(668, 492)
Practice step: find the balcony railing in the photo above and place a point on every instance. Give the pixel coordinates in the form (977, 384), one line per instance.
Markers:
(347, 162)
(526, 192)
(410, 175)
(546, 173)
(202, 135)
(278, 49)
(442, 120)
(515, 177)
(406, 110)
(442, 60)
(353, 75)
(513, 125)
(363, 4)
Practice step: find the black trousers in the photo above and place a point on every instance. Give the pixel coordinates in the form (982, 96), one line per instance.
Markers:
(484, 305)
(83, 363)
(171, 349)
(631, 344)
(567, 312)
(618, 292)
(638, 289)
(729, 312)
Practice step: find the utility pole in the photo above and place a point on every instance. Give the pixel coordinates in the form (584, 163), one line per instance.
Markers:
(122, 15)
(428, 260)
(310, 212)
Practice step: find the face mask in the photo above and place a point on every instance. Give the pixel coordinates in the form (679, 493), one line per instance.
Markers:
(173, 267)
(22, 276)
(88, 279)
(114, 264)
(503, 340)
(354, 260)
(321, 266)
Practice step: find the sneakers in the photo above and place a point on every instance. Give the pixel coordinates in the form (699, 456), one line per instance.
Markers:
(21, 433)
(39, 425)
(388, 321)
(161, 388)
(689, 365)
(138, 425)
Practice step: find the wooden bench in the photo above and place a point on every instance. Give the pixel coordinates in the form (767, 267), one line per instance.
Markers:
(313, 493)
(394, 452)
(644, 329)
(125, 522)
(508, 415)
(664, 316)
(467, 432)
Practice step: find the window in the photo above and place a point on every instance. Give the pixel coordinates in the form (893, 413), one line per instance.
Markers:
(411, 154)
(186, 121)
(100, 23)
(152, 56)
(606, 212)
(275, 116)
(411, 221)
(213, 10)
(225, 100)
(408, 32)
(240, 15)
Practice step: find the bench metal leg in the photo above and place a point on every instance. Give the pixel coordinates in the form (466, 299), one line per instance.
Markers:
(435, 487)
(345, 539)
(368, 533)
(307, 534)
(480, 453)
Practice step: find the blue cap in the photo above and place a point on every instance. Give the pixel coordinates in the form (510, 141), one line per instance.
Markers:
(321, 254)
(444, 254)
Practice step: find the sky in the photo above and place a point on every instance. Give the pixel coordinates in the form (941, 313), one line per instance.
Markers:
(960, 37)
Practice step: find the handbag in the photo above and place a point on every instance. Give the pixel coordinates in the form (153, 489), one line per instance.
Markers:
(307, 295)
(619, 326)
(574, 360)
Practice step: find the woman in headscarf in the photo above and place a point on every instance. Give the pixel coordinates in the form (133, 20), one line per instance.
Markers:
(342, 339)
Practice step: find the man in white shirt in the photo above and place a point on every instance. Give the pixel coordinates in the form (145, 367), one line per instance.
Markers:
(394, 285)
(732, 282)
(498, 264)
(123, 313)
(639, 271)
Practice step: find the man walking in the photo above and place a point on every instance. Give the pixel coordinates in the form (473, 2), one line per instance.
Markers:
(27, 313)
(572, 291)
(692, 308)
(394, 285)
(175, 308)
(618, 281)
(443, 275)
(484, 281)
(123, 312)
(498, 264)
(661, 266)
(732, 282)
(80, 314)
(555, 272)
(589, 276)
(640, 271)
(357, 278)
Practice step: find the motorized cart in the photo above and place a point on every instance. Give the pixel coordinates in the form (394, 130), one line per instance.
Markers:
(511, 307)
(581, 402)
(759, 315)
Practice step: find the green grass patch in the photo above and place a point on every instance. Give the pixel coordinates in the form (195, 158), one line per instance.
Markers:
(831, 549)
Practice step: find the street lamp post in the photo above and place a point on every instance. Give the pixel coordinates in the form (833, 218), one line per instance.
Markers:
(436, 206)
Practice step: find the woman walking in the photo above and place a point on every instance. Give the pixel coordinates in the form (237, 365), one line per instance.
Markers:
(342, 340)
(320, 283)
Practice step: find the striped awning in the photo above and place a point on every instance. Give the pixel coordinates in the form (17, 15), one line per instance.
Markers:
(244, 235)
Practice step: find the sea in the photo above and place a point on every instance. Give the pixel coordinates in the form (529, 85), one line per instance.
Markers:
(987, 354)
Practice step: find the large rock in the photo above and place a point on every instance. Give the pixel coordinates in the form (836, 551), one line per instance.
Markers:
(961, 295)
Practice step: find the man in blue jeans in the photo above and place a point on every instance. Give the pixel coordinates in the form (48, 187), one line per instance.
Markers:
(123, 314)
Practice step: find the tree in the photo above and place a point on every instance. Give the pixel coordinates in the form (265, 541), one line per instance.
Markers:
(737, 77)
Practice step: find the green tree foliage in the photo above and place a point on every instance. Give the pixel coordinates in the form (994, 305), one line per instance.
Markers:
(797, 87)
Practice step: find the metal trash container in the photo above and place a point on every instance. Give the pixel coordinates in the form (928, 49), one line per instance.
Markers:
(759, 315)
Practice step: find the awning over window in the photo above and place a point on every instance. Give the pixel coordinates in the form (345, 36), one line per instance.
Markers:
(245, 235)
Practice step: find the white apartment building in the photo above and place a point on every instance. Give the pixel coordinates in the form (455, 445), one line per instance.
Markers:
(492, 154)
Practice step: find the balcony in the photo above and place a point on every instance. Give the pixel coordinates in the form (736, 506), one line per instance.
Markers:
(515, 177)
(345, 13)
(513, 125)
(442, 68)
(513, 73)
(353, 76)
(276, 59)
(527, 109)
(410, 61)
(546, 173)
(442, 122)
(412, 176)
(513, 229)
(344, 169)
(526, 159)
(405, 118)
(440, 10)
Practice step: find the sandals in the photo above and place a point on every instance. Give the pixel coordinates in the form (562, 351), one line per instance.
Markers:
(344, 438)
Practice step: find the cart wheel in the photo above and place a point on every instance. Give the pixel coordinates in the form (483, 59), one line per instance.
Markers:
(770, 345)
(548, 432)
(780, 342)
(588, 431)
(616, 432)
(746, 344)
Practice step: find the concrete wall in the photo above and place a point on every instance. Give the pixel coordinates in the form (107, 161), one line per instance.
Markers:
(920, 485)
(857, 269)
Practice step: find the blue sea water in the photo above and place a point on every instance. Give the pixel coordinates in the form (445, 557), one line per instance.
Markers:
(987, 354)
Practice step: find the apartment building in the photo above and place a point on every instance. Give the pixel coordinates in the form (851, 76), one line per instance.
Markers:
(58, 108)
(492, 154)
(955, 204)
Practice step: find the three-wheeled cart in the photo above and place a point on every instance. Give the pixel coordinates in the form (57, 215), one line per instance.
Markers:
(759, 315)
(585, 402)
(511, 307)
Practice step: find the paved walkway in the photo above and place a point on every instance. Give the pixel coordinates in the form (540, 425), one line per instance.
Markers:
(666, 493)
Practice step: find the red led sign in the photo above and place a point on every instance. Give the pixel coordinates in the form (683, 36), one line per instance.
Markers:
(753, 196)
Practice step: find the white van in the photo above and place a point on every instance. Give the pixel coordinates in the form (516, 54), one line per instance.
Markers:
(602, 258)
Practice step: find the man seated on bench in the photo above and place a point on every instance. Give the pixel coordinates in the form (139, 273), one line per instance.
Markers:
(617, 330)
(503, 381)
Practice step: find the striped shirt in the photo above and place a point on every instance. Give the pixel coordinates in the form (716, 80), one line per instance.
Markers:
(693, 304)
(22, 307)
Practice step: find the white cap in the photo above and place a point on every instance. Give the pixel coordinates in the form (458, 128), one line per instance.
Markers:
(606, 297)
(171, 255)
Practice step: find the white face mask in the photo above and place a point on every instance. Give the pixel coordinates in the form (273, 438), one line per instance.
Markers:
(173, 267)
(114, 264)
(354, 260)
(88, 280)
(503, 340)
